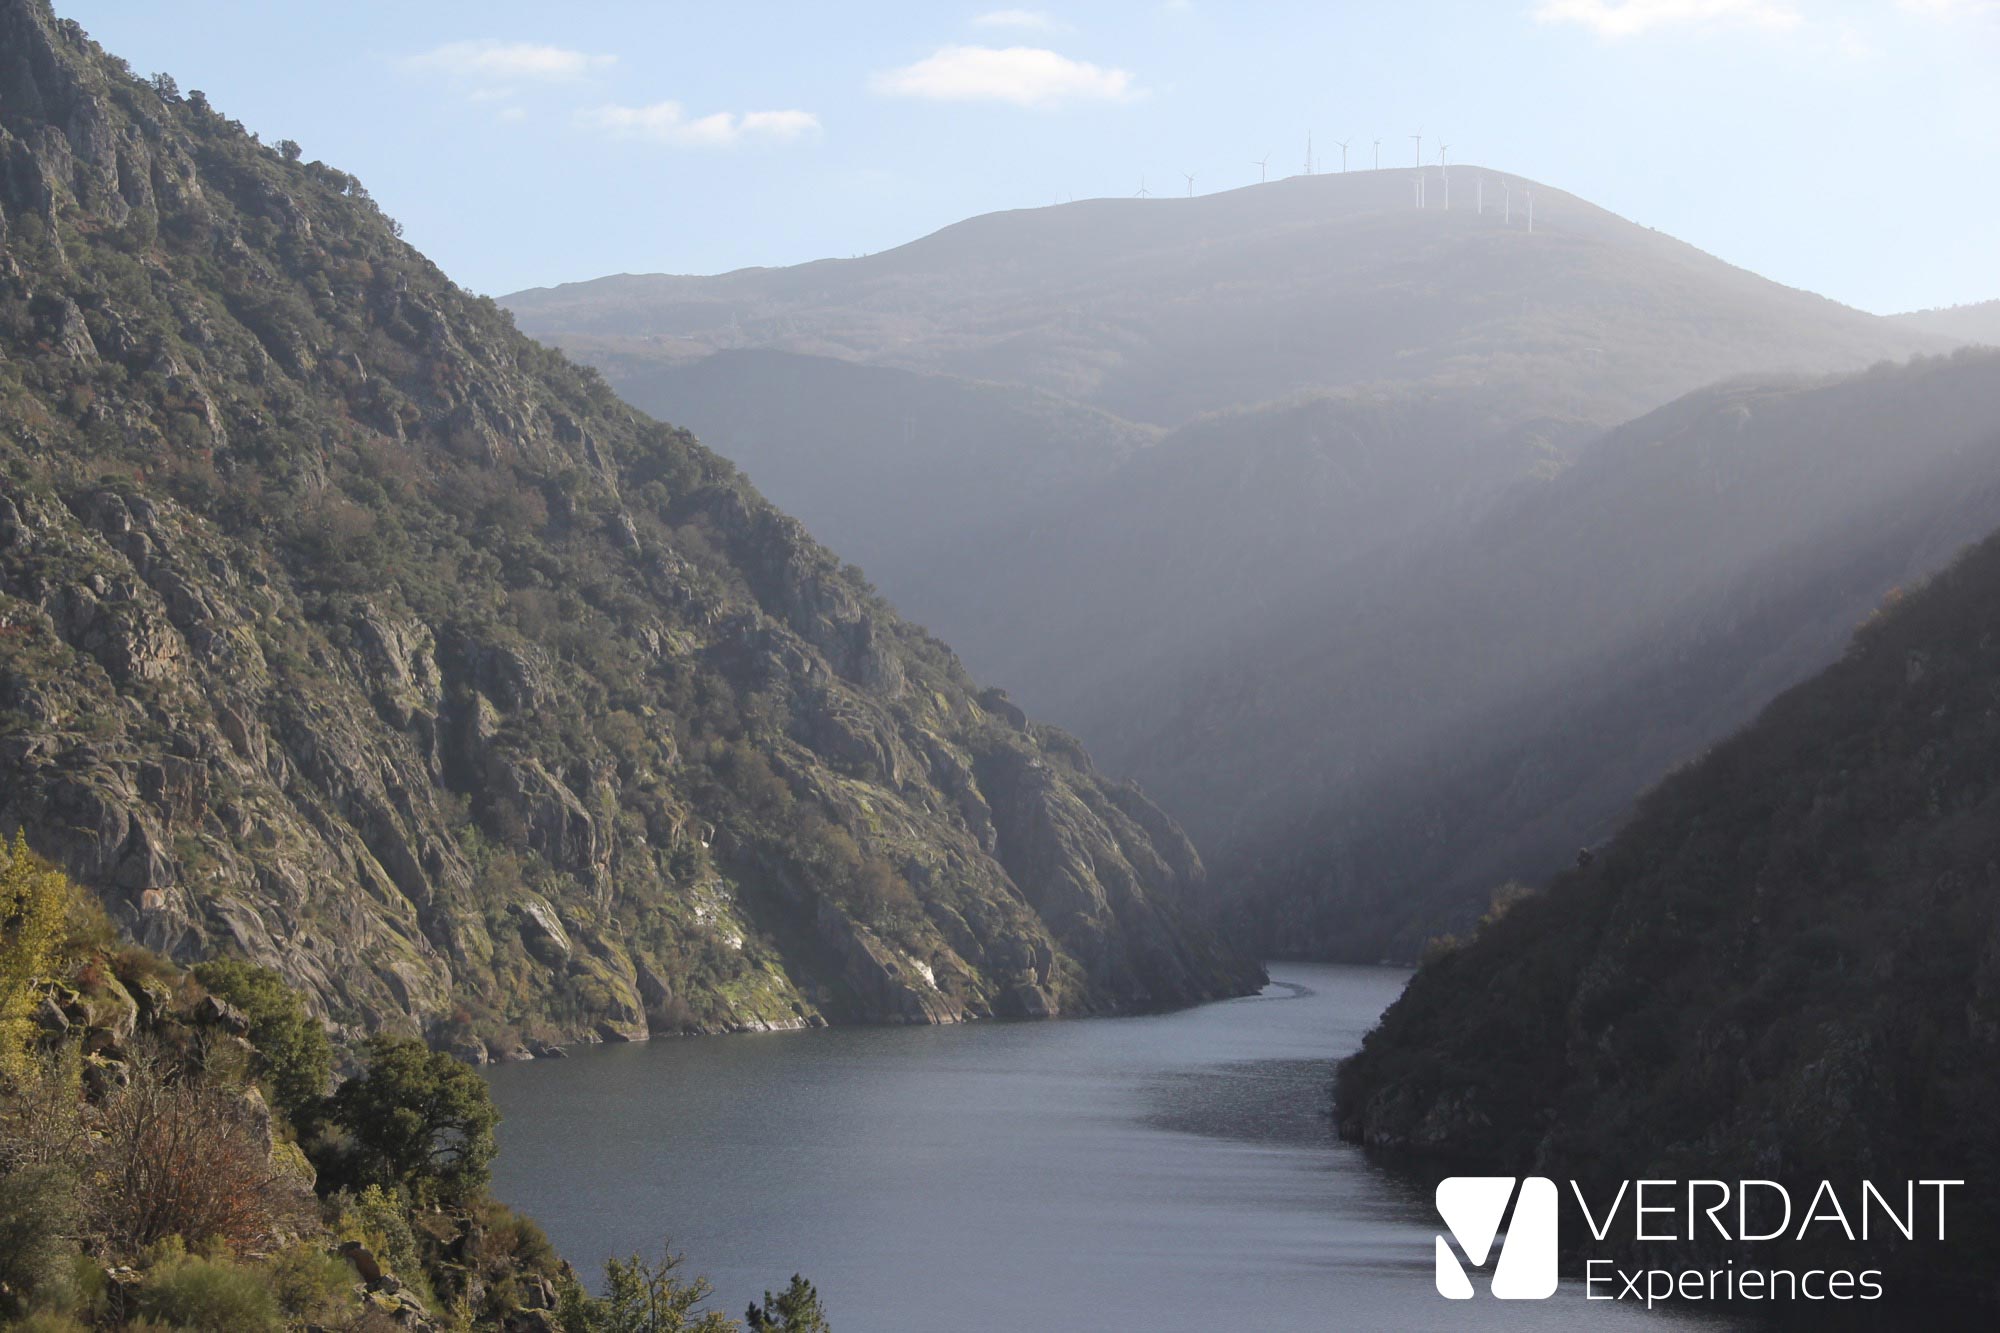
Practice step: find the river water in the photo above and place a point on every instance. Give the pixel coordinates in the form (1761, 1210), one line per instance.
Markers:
(1164, 1173)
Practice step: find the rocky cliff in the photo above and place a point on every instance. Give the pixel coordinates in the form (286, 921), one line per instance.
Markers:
(343, 627)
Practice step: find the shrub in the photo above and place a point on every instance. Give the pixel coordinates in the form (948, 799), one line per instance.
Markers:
(39, 1218)
(47, 1323)
(34, 907)
(42, 1112)
(310, 1284)
(295, 1058)
(379, 1221)
(209, 1296)
(179, 1155)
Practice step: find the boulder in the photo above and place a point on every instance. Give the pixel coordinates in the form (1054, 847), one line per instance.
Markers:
(542, 933)
(218, 1012)
(363, 1259)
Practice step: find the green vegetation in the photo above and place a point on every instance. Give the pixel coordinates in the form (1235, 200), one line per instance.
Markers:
(415, 1120)
(646, 1296)
(32, 896)
(145, 1186)
(796, 1309)
(1784, 967)
(295, 1057)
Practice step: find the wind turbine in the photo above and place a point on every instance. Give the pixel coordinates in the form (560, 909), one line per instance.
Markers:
(1142, 192)
(1378, 155)
(1343, 154)
(1260, 167)
(1309, 152)
(1443, 174)
(1190, 181)
(1419, 137)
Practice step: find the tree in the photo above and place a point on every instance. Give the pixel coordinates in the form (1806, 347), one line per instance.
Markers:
(289, 149)
(418, 1120)
(34, 903)
(641, 1296)
(795, 1310)
(294, 1056)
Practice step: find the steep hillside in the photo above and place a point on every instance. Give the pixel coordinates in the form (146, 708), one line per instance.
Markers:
(901, 472)
(350, 629)
(1978, 323)
(1109, 595)
(1162, 309)
(1786, 966)
(1382, 756)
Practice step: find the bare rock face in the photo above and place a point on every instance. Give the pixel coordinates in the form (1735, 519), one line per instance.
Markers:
(344, 629)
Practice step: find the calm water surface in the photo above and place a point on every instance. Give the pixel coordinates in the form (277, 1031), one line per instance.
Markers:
(1164, 1173)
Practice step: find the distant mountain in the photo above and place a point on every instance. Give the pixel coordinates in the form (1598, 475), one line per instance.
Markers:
(1785, 967)
(1961, 323)
(343, 627)
(1161, 310)
(904, 473)
(1381, 757)
(1108, 597)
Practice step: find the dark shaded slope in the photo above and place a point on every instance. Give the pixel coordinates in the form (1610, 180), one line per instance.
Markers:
(1395, 749)
(1787, 965)
(348, 628)
(903, 473)
(1096, 608)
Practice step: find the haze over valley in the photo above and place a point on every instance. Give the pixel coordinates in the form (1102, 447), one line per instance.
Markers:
(1311, 509)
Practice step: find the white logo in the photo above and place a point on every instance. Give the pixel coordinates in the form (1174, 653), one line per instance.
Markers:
(1475, 1211)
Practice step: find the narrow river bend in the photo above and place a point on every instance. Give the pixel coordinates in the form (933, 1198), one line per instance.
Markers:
(1170, 1172)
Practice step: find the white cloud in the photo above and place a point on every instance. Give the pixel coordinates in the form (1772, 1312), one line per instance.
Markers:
(667, 123)
(1950, 9)
(1018, 18)
(1023, 75)
(489, 61)
(1631, 18)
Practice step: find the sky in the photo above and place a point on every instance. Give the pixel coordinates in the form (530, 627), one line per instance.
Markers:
(1843, 146)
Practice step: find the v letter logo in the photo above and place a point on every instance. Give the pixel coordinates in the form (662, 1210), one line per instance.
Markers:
(1475, 1212)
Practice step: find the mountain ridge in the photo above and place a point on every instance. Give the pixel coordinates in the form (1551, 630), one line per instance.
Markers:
(1102, 335)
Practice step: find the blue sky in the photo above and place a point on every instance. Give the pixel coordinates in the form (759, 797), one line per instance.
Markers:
(1846, 146)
